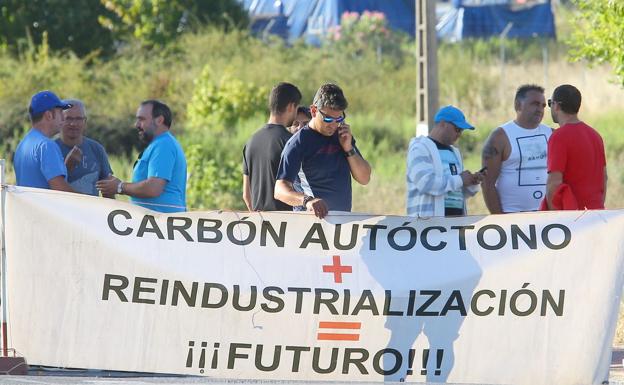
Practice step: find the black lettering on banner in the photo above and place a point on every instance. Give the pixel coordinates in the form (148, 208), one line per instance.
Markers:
(297, 350)
(111, 222)
(189, 298)
(328, 302)
(299, 297)
(454, 297)
(316, 366)
(462, 235)
(236, 299)
(215, 356)
(378, 359)
(425, 241)
(567, 236)
(411, 302)
(358, 362)
(149, 225)
(276, 358)
(138, 289)
(433, 295)
(502, 302)
(501, 233)
(547, 299)
(164, 289)
(346, 302)
(321, 239)
(372, 243)
(266, 293)
(206, 297)
(108, 286)
(338, 233)
(267, 228)
(202, 229)
(410, 242)
(171, 227)
(473, 303)
(251, 234)
(513, 301)
(530, 240)
(387, 304)
(233, 354)
(367, 296)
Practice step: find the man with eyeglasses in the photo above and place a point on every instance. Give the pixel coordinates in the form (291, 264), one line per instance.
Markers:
(515, 156)
(318, 162)
(38, 162)
(86, 159)
(577, 166)
(437, 184)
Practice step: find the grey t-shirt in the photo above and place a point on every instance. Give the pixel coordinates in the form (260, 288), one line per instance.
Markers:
(93, 167)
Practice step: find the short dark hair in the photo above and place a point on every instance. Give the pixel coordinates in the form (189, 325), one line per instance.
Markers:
(568, 97)
(282, 95)
(331, 96)
(36, 118)
(304, 110)
(159, 109)
(524, 89)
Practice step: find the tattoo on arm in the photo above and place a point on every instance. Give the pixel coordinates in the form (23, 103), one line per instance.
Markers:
(489, 151)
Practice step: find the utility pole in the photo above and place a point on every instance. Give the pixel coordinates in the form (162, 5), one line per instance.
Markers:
(427, 90)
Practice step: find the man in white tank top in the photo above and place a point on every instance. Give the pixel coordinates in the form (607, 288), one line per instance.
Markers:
(515, 156)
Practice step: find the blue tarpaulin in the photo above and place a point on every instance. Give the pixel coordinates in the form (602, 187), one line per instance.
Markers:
(311, 19)
(487, 18)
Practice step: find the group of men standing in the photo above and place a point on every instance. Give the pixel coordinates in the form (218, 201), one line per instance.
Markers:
(304, 159)
(526, 165)
(76, 163)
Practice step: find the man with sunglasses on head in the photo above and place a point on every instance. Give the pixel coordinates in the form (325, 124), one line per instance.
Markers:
(319, 160)
(515, 156)
(576, 156)
(38, 161)
(437, 184)
(86, 159)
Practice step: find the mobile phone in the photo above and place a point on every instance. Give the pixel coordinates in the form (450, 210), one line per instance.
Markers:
(483, 169)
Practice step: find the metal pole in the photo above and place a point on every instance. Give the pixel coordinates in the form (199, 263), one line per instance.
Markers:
(426, 66)
(5, 350)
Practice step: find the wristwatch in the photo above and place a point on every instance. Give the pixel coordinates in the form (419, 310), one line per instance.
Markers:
(351, 152)
(306, 199)
(120, 188)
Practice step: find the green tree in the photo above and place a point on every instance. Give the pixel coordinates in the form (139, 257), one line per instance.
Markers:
(599, 33)
(156, 22)
(69, 24)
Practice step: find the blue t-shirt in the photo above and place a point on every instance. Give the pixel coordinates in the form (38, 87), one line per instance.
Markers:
(93, 166)
(163, 159)
(317, 166)
(37, 160)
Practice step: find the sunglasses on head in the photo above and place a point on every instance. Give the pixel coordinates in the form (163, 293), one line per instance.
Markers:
(329, 119)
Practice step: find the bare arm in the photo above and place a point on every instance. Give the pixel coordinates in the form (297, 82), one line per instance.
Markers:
(555, 178)
(285, 192)
(60, 184)
(360, 169)
(492, 158)
(148, 188)
(247, 192)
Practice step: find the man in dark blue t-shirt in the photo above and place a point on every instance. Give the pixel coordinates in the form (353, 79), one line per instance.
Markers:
(318, 161)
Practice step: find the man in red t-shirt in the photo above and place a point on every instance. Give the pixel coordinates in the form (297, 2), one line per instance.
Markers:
(576, 155)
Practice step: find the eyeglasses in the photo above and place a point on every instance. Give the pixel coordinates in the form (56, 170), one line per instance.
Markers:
(75, 120)
(329, 119)
(551, 102)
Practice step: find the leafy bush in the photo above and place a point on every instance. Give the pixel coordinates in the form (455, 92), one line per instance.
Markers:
(220, 106)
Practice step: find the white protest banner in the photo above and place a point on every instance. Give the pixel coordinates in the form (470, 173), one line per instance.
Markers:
(524, 299)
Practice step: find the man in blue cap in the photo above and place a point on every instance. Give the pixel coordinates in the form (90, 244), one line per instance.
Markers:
(437, 183)
(38, 160)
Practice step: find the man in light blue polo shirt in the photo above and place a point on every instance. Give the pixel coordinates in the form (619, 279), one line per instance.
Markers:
(159, 176)
(38, 161)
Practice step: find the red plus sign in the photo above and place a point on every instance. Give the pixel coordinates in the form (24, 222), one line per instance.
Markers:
(337, 269)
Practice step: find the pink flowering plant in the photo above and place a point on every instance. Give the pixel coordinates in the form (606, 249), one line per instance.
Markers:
(362, 33)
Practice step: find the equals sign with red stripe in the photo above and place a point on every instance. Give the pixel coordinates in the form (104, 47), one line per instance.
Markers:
(347, 335)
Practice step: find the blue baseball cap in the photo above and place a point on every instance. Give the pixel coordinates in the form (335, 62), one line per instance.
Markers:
(44, 101)
(453, 115)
